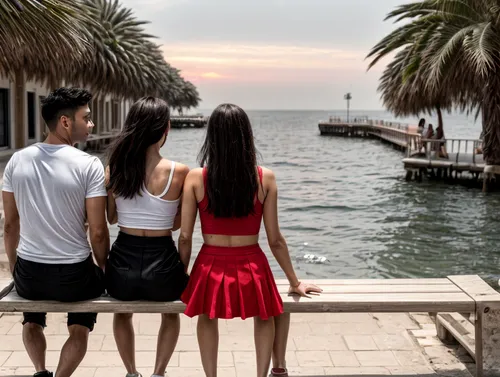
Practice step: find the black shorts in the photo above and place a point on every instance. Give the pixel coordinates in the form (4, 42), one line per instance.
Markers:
(145, 268)
(59, 282)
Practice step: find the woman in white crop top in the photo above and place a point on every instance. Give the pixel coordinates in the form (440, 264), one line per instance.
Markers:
(144, 191)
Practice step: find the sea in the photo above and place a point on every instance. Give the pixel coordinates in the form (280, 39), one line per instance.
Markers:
(346, 210)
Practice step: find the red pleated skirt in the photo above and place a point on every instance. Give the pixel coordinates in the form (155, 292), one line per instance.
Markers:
(231, 282)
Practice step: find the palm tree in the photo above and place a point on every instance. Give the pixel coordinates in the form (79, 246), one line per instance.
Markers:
(454, 46)
(40, 40)
(124, 58)
(406, 95)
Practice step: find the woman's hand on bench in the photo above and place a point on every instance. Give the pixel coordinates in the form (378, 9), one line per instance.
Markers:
(302, 289)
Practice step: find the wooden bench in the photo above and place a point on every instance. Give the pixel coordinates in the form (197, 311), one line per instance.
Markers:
(451, 295)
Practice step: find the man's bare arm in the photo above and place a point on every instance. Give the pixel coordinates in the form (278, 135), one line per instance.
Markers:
(11, 228)
(98, 229)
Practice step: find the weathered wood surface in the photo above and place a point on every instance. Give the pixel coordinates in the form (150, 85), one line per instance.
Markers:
(487, 325)
(394, 295)
(460, 328)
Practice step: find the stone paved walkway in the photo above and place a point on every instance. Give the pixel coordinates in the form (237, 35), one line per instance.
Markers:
(319, 345)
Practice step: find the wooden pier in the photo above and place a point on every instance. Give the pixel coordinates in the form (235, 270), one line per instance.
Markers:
(194, 121)
(462, 161)
(98, 142)
(401, 136)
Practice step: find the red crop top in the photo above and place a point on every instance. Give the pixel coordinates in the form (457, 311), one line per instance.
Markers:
(230, 226)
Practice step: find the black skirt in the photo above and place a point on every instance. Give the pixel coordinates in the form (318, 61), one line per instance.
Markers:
(145, 268)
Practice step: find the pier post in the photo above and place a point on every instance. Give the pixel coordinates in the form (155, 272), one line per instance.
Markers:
(490, 174)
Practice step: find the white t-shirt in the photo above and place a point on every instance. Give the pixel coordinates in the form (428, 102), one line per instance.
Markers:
(50, 184)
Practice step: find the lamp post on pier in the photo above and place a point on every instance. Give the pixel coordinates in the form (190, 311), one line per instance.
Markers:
(348, 98)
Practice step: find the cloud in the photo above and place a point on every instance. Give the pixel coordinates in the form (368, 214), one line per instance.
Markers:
(211, 75)
(242, 62)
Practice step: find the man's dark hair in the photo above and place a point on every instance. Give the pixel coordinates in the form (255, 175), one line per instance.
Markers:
(63, 101)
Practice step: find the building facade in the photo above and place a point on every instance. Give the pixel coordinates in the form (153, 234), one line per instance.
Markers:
(108, 115)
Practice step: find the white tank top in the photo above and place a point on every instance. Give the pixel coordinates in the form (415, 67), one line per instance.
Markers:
(148, 211)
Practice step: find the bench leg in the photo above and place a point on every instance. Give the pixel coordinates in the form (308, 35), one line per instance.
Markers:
(487, 337)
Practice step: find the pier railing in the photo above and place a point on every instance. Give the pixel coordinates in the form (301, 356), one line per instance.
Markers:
(364, 120)
(458, 150)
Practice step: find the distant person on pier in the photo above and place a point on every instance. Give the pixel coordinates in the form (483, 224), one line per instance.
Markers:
(420, 131)
(441, 147)
(144, 193)
(421, 126)
(50, 189)
(429, 134)
(231, 277)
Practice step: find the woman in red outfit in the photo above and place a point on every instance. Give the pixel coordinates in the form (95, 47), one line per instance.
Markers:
(231, 276)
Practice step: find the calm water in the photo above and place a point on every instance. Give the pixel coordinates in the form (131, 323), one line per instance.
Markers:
(347, 200)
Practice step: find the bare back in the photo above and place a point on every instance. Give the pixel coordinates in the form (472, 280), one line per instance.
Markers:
(157, 178)
(231, 240)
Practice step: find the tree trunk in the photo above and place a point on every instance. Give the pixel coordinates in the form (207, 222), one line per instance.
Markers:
(491, 121)
(19, 109)
(440, 116)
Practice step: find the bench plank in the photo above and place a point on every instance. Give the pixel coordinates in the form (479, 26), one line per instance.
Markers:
(326, 302)
(376, 288)
(475, 287)
(412, 282)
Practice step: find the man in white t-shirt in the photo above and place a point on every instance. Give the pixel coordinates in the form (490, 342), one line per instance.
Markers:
(50, 190)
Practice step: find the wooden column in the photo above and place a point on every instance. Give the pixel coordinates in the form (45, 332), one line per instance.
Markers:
(19, 109)
(490, 175)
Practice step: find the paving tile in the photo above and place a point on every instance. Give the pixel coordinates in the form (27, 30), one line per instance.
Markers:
(237, 343)
(193, 359)
(393, 342)
(12, 371)
(376, 358)
(198, 372)
(422, 318)
(423, 333)
(331, 317)
(410, 358)
(452, 370)
(360, 343)
(249, 358)
(373, 371)
(344, 359)
(429, 341)
(401, 319)
(303, 371)
(80, 372)
(441, 355)
(314, 359)
(346, 328)
(320, 343)
(405, 371)
(4, 357)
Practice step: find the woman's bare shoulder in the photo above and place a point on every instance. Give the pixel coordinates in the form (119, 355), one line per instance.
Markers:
(267, 174)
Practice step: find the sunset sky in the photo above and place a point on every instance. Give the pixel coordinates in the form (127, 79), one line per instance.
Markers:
(272, 54)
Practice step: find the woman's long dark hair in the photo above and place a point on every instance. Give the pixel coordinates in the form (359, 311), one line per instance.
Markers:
(231, 159)
(146, 123)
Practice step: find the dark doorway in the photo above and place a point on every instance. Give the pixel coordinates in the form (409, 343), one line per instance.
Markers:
(31, 116)
(4, 118)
